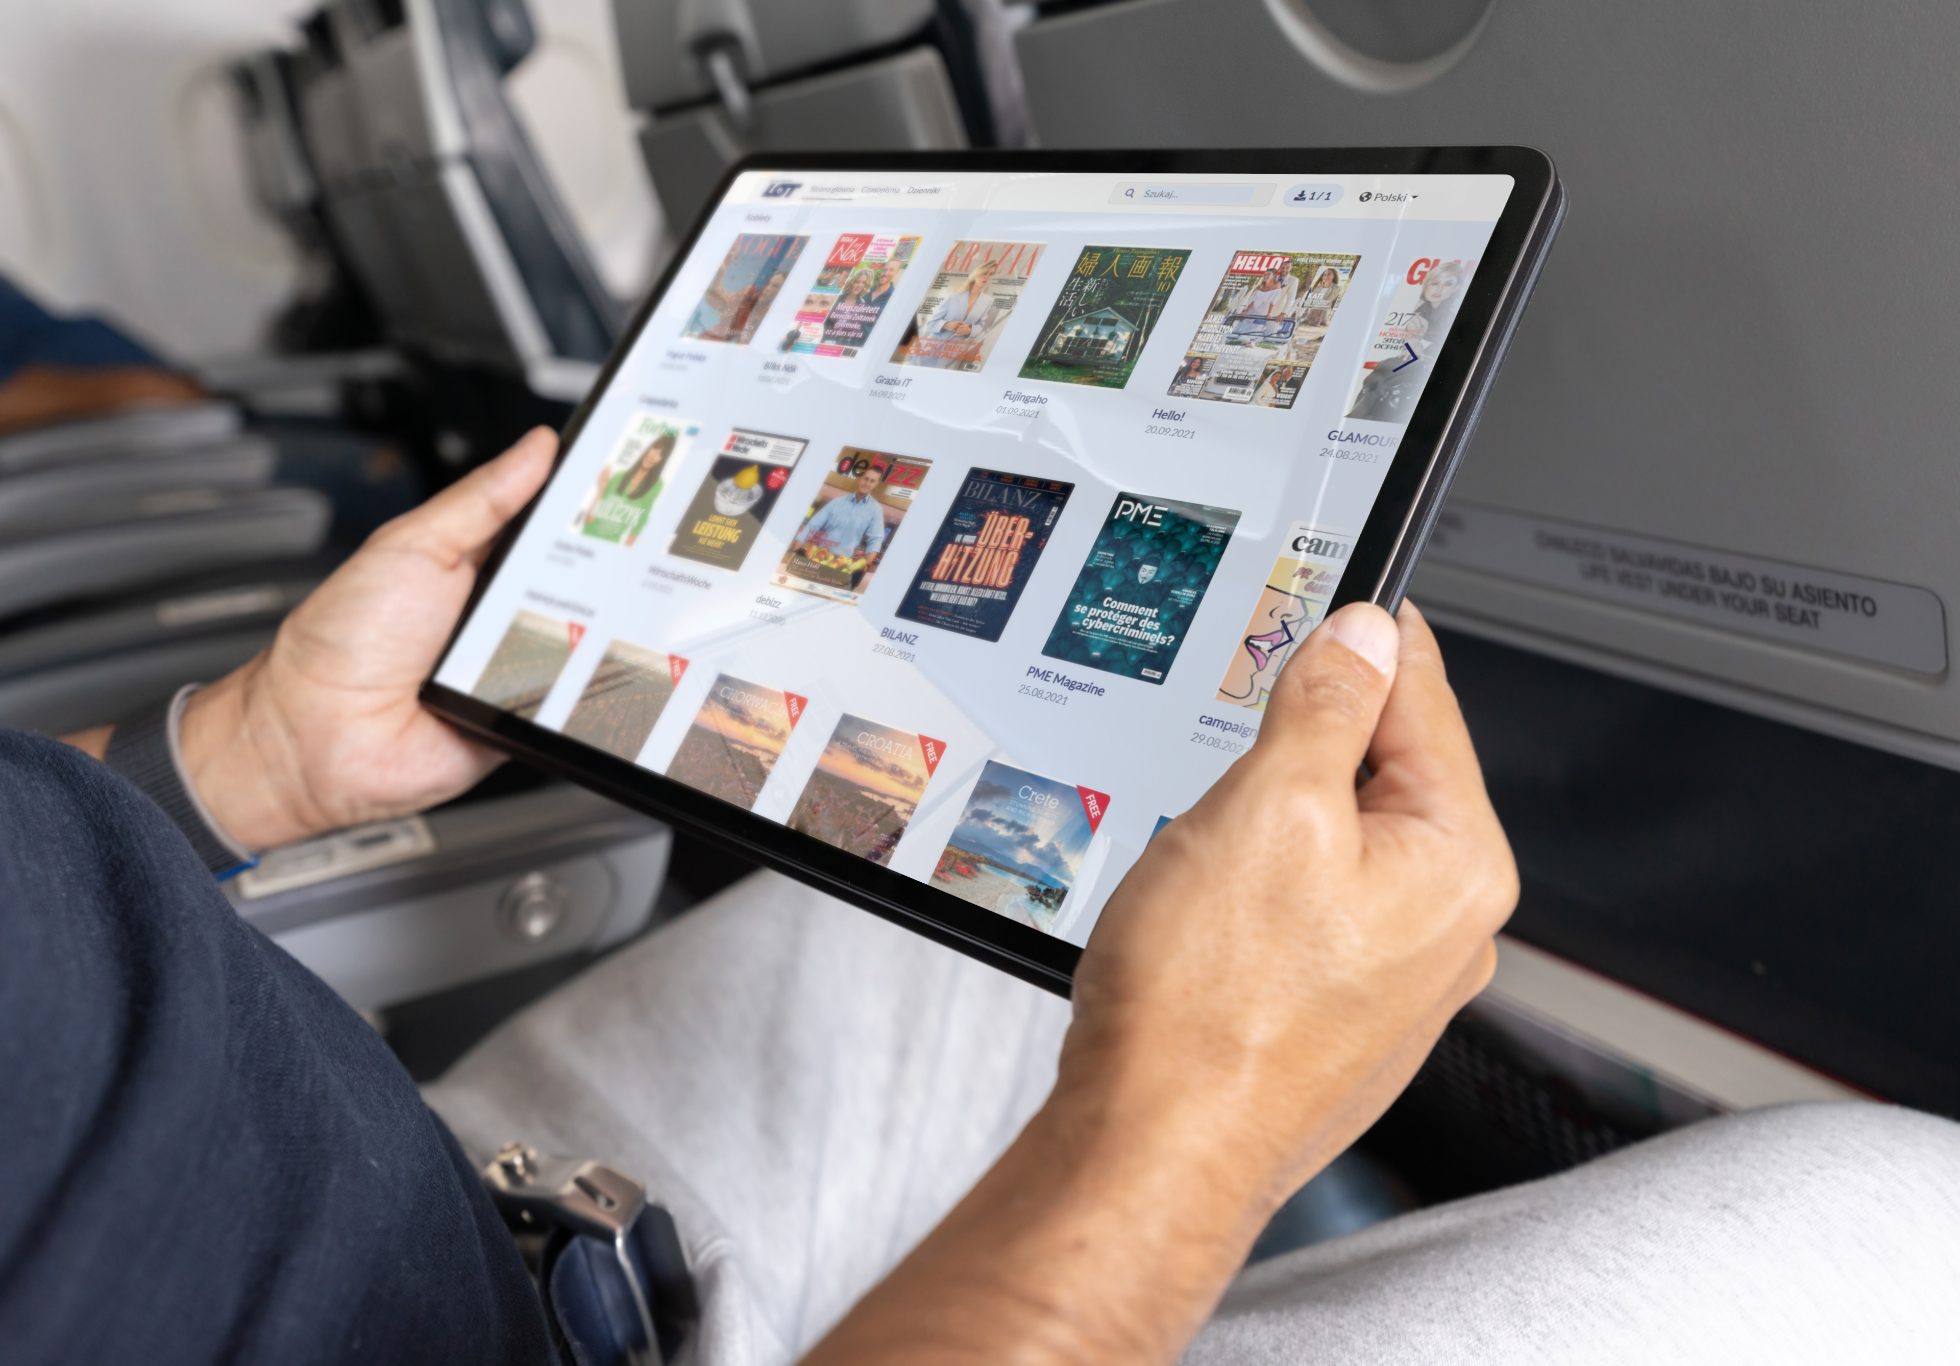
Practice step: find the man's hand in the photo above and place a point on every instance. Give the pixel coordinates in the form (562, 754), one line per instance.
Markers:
(324, 729)
(1261, 986)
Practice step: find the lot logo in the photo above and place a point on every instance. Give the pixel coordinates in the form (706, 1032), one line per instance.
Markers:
(782, 189)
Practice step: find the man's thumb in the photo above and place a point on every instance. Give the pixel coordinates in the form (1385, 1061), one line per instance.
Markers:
(1331, 692)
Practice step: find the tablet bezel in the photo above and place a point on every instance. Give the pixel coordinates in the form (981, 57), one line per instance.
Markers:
(1379, 566)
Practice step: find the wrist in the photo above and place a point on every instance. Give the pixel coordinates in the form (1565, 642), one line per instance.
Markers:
(240, 763)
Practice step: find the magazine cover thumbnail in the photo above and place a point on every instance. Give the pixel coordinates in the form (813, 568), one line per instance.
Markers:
(1103, 316)
(1264, 327)
(526, 662)
(851, 293)
(1137, 593)
(866, 787)
(750, 278)
(984, 553)
(1019, 844)
(620, 500)
(967, 305)
(735, 497)
(1291, 604)
(736, 739)
(849, 528)
(1420, 310)
(623, 698)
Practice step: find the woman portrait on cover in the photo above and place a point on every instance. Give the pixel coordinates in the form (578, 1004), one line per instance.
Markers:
(620, 510)
(960, 316)
(1326, 292)
(1441, 288)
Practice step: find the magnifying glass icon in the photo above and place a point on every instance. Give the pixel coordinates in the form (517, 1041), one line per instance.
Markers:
(1130, 193)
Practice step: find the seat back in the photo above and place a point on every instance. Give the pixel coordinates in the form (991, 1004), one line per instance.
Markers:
(718, 79)
(444, 209)
(1719, 458)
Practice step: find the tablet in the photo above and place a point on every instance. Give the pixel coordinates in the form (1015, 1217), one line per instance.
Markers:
(938, 530)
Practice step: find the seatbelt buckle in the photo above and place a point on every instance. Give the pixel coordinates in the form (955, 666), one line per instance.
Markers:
(564, 1201)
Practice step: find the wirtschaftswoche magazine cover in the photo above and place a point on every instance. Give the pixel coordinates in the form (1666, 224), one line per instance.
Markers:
(527, 662)
(1291, 604)
(866, 786)
(750, 278)
(1137, 593)
(1104, 314)
(967, 305)
(736, 739)
(1422, 304)
(735, 497)
(1019, 845)
(973, 573)
(1264, 327)
(624, 697)
(849, 528)
(851, 293)
(617, 505)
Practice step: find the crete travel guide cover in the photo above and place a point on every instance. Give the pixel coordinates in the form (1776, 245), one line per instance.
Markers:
(838, 546)
(617, 505)
(751, 276)
(851, 293)
(735, 498)
(1099, 322)
(623, 698)
(526, 662)
(1018, 848)
(736, 739)
(1264, 327)
(1139, 590)
(866, 787)
(1291, 604)
(986, 549)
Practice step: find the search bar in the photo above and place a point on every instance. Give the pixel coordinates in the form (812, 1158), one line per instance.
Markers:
(1154, 192)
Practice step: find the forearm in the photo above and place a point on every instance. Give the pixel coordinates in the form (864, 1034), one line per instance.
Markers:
(233, 759)
(1107, 1232)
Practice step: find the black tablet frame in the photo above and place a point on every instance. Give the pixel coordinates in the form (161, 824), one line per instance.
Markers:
(1379, 567)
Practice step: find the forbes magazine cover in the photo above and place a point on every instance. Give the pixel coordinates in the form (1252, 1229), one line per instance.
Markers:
(1138, 591)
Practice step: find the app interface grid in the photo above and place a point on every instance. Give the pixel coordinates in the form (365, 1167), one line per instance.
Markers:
(963, 521)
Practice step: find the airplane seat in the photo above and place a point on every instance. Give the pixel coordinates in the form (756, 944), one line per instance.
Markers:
(444, 209)
(717, 79)
(1695, 566)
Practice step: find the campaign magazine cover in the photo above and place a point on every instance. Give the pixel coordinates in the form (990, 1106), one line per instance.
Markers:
(1421, 306)
(837, 547)
(1139, 590)
(526, 662)
(623, 698)
(750, 278)
(851, 293)
(735, 497)
(967, 305)
(980, 561)
(1291, 604)
(1264, 326)
(1099, 322)
(617, 505)
(1019, 845)
(736, 739)
(866, 787)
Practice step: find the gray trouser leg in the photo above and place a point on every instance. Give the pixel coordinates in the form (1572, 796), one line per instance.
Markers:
(1811, 1233)
(809, 1090)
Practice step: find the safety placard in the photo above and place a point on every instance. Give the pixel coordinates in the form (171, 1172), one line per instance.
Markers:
(1895, 624)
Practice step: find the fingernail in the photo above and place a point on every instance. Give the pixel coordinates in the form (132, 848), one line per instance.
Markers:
(1370, 632)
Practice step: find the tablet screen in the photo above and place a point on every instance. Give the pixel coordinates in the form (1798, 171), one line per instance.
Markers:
(963, 520)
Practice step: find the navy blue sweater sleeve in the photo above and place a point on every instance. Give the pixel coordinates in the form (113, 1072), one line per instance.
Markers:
(209, 1156)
